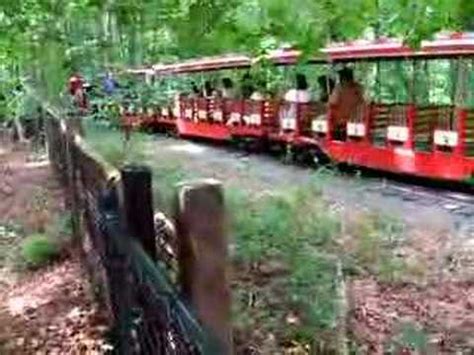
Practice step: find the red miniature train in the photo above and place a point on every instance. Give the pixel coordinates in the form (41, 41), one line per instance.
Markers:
(422, 127)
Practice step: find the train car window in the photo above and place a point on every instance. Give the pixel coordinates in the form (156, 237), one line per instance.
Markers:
(313, 72)
(436, 81)
(465, 94)
(392, 84)
(275, 80)
(365, 73)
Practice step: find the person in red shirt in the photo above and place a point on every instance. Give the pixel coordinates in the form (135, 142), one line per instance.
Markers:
(347, 101)
(76, 89)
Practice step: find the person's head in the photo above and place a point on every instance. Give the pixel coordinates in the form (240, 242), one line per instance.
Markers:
(207, 88)
(326, 82)
(194, 88)
(227, 83)
(301, 82)
(346, 75)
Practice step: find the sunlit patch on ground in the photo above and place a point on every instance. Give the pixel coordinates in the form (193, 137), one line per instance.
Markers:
(187, 148)
(37, 164)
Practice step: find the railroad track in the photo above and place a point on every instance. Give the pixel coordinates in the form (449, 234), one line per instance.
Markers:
(457, 203)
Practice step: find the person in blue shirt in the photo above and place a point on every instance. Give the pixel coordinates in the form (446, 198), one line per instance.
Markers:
(109, 84)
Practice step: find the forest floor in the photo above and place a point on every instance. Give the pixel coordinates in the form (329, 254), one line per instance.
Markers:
(432, 305)
(49, 310)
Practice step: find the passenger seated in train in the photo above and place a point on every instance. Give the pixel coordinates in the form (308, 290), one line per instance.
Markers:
(194, 90)
(246, 91)
(246, 86)
(298, 95)
(228, 90)
(207, 90)
(259, 93)
(346, 100)
(326, 85)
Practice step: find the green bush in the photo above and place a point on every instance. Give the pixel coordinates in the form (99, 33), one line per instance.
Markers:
(38, 250)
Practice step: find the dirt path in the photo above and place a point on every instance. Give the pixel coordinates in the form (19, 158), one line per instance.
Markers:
(439, 242)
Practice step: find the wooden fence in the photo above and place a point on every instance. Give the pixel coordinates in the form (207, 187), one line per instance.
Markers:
(165, 285)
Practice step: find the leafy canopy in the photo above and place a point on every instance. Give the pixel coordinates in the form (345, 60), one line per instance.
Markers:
(44, 40)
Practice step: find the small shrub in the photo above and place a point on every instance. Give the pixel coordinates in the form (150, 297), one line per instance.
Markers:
(38, 250)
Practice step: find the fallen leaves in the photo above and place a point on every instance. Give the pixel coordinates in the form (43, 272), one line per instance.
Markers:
(442, 312)
(54, 314)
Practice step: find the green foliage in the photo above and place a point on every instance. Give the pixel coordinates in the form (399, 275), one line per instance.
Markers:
(91, 35)
(38, 250)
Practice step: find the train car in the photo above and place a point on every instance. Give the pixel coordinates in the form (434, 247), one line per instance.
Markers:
(200, 116)
(219, 118)
(415, 116)
(428, 131)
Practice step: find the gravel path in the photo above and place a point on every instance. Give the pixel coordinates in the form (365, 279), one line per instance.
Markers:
(423, 208)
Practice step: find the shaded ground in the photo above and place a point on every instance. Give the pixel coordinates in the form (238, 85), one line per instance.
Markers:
(47, 311)
(435, 293)
(23, 179)
(50, 312)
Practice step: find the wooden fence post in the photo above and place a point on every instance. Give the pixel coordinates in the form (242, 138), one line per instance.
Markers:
(202, 251)
(138, 206)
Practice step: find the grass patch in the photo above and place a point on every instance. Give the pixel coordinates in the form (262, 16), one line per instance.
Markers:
(39, 250)
(22, 248)
(165, 180)
(110, 143)
(285, 242)
(372, 242)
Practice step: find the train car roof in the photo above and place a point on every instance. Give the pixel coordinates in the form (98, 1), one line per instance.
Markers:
(140, 71)
(233, 61)
(443, 45)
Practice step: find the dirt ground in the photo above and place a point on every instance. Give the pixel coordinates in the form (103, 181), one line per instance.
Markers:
(439, 240)
(49, 311)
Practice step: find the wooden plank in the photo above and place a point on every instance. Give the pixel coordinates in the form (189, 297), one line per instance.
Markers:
(202, 250)
(137, 206)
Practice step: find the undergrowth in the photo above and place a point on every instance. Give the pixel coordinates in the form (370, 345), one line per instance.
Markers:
(39, 250)
(24, 247)
(285, 241)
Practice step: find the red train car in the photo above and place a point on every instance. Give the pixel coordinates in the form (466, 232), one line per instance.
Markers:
(426, 135)
(418, 126)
